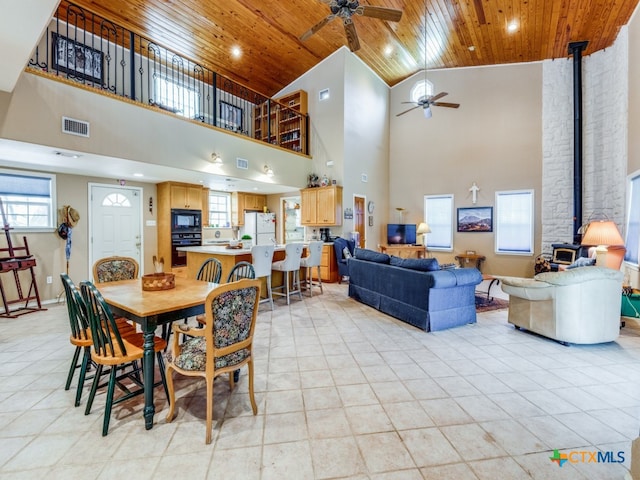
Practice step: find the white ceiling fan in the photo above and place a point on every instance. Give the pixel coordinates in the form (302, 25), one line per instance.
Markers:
(426, 101)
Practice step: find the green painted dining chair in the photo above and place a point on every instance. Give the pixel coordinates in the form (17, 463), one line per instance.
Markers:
(81, 334)
(117, 350)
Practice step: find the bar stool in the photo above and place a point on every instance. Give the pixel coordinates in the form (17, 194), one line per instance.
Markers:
(290, 264)
(312, 260)
(261, 258)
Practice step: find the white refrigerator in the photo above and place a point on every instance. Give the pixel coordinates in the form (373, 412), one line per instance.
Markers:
(261, 227)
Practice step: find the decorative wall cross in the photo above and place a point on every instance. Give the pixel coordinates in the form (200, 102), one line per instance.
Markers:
(474, 192)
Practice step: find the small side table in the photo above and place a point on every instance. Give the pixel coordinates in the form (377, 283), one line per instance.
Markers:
(465, 259)
(492, 281)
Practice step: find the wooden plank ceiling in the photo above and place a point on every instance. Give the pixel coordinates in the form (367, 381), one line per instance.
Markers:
(460, 33)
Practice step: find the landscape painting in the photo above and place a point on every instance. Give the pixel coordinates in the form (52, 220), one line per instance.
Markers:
(475, 219)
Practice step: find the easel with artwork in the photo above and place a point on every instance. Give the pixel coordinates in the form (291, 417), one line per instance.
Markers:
(14, 264)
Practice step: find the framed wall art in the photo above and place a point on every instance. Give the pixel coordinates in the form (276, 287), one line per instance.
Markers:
(475, 219)
(230, 116)
(77, 59)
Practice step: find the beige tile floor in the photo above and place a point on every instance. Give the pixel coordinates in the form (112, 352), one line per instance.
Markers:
(343, 392)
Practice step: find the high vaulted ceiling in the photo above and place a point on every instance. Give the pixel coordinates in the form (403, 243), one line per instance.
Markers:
(459, 33)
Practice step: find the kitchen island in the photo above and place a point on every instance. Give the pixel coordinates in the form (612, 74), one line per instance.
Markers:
(228, 257)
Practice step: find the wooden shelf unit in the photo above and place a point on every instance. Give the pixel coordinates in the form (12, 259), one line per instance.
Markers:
(283, 121)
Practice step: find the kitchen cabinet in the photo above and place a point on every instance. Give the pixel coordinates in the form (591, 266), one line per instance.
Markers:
(186, 196)
(321, 206)
(241, 201)
(308, 200)
(205, 207)
(175, 195)
(328, 265)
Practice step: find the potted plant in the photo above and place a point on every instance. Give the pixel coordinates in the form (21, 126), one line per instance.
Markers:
(247, 241)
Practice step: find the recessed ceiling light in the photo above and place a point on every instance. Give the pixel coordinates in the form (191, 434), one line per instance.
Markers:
(512, 27)
(472, 48)
(236, 52)
(388, 50)
(138, 174)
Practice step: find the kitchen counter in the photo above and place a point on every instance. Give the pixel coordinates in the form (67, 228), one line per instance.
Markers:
(228, 257)
(220, 250)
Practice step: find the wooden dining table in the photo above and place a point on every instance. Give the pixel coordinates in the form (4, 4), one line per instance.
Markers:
(150, 309)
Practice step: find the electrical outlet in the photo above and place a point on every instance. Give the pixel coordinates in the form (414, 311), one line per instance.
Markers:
(49, 279)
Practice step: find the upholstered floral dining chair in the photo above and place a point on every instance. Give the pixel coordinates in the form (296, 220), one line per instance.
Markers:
(112, 269)
(224, 344)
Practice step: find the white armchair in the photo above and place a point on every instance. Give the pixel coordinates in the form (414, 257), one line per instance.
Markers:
(581, 305)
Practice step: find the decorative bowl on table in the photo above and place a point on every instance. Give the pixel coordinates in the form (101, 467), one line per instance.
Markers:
(158, 281)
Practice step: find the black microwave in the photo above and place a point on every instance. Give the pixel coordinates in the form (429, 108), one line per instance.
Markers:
(186, 220)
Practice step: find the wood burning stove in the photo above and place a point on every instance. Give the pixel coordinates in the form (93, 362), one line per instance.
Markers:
(567, 253)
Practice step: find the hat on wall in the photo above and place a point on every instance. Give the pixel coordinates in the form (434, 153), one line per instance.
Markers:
(63, 231)
(71, 216)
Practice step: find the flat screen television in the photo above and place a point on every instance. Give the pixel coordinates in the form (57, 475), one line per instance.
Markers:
(401, 234)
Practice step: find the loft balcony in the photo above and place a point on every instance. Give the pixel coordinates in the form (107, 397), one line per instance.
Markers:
(92, 51)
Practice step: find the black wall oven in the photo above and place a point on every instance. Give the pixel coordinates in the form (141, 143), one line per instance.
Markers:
(178, 258)
(186, 231)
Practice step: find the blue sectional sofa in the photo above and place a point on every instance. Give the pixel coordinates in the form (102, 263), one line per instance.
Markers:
(415, 291)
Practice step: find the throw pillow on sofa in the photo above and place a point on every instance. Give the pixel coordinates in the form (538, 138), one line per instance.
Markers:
(421, 264)
(370, 255)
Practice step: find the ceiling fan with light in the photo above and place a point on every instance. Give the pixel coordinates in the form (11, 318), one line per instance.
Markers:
(345, 10)
(426, 101)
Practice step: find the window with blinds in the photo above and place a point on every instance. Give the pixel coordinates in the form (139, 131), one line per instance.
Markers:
(28, 199)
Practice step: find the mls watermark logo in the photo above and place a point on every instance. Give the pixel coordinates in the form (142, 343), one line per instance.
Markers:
(587, 457)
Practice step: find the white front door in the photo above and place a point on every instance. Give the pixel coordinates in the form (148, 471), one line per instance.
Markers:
(115, 223)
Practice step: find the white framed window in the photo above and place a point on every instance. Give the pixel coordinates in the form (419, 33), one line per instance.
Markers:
(219, 209)
(632, 237)
(514, 222)
(175, 97)
(422, 89)
(28, 199)
(438, 214)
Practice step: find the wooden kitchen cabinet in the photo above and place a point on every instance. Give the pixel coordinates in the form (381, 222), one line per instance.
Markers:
(175, 195)
(321, 206)
(186, 196)
(205, 207)
(308, 200)
(241, 201)
(328, 265)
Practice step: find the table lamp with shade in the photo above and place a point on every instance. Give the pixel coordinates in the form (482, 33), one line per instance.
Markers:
(422, 230)
(605, 235)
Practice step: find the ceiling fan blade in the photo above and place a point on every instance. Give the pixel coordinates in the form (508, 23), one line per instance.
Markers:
(437, 97)
(412, 103)
(445, 104)
(406, 111)
(352, 35)
(389, 14)
(316, 27)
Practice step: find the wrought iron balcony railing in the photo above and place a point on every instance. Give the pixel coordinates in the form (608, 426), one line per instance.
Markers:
(93, 51)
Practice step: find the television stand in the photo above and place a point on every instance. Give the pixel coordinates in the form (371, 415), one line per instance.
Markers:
(404, 251)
